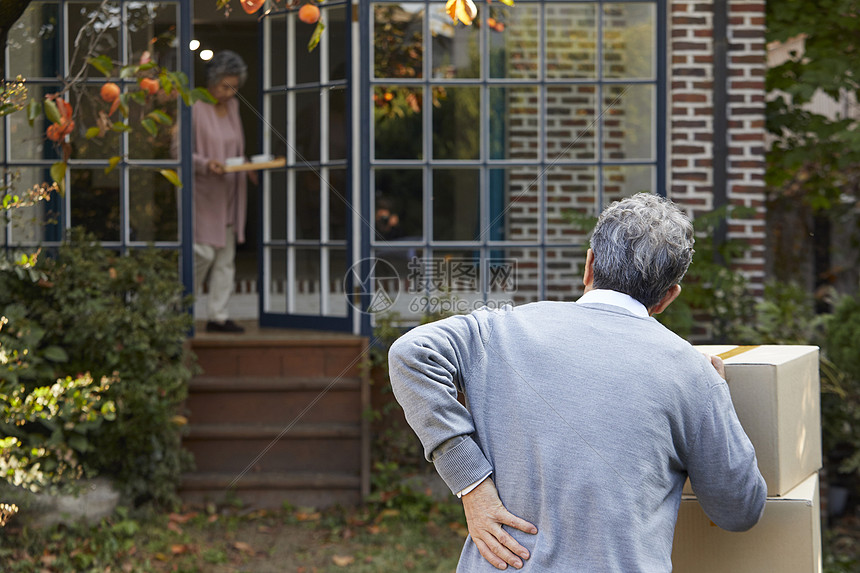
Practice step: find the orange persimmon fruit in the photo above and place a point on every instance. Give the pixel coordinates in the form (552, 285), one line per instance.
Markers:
(109, 92)
(149, 85)
(309, 14)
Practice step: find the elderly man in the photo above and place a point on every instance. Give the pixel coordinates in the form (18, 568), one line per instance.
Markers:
(583, 419)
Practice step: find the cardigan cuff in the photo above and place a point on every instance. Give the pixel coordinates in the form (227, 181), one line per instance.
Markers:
(462, 465)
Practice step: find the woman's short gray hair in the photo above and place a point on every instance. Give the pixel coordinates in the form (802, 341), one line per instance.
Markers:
(642, 246)
(223, 64)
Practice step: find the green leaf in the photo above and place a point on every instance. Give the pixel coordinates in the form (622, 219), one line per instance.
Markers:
(113, 162)
(119, 127)
(79, 443)
(58, 174)
(315, 37)
(128, 72)
(55, 354)
(52, 111)
(171, 176)
(102, 63)
(150, 126)
(160, 117)
(92, 132)
(138, 96)
(507, 2)
(146, 66)
(202, 94)
(33, 110)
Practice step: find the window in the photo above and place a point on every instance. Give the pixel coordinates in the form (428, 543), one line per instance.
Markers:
(490, 142)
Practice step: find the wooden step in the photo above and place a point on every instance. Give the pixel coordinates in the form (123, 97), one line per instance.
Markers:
(273, 489)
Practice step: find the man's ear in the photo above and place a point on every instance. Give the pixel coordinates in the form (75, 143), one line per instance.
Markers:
(667, 299)
(588, 274)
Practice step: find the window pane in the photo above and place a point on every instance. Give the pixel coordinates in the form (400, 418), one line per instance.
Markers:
(628, 40)
(40, 222)
(307, 64)
(29, 142)
(277, 205)
(277, 53)
(571, 40)
(338, 209)
(95, 202)
(34, 48)
(101, 38)
(514, 41)
(399, 205)
(336, 22)
(628, 122)
(620, 181)
(452, 281)
(307, 134)
(307, 205)
(152, 34)
(276, 280)
(153, 204)
(142, 145)
(456, 204)
(392, 291)
(397, 123)
(456, 122)
(275, 128)
(337, 133)
(337, 303)
(307, 281)
(570, 122)
(398, 40)
(514, 122)
(455, 48)
(563, 273)
(570, 191)
(512, 276)
(89, 107)
(514, 204)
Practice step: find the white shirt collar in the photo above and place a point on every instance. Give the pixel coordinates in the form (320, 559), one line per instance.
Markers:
(615, 298)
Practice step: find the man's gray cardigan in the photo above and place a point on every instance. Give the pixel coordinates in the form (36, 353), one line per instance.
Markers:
(590, 419)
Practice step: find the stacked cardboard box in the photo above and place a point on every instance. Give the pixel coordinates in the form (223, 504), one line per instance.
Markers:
(775, 391)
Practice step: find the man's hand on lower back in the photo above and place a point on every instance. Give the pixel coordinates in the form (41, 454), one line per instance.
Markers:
(485, 516)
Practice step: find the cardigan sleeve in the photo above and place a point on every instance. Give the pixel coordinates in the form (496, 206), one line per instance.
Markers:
(428, 366)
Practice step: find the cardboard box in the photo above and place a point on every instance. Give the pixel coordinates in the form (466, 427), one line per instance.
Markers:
(787, 539)
(775, 391)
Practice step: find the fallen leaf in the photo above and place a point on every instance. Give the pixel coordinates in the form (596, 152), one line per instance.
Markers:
(179, 548)
(302, 516)
(180, 518)
(212, 519)
(421, 551)
(243, 547)
(48, 559)
(172, 526)
(373, 529)
(264, 529)
(343, 560)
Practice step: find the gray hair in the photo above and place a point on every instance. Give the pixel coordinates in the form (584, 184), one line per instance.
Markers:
(642, 246)
(223, 64)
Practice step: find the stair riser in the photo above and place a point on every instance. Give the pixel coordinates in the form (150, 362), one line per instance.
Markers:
(285, 455)
(280, 408)
(280, 361)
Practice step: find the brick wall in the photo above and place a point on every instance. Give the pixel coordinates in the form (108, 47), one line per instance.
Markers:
(691, 118)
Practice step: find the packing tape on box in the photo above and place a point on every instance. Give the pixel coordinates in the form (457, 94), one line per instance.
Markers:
(735, 351)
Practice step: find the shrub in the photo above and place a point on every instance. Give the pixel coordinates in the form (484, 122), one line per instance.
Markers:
(123, 317)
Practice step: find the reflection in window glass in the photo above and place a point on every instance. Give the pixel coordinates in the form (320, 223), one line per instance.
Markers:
(277, 205)
(307, 134)
(570, 191)
(628, 122)
(514, 41)
(513, 276)
(95, 202)
(629, 40)
(277, 53)
(397, 123)
(276, 275)
(39, 222)
(571, 40)
(570, 122)
(307, 64)
(453, 278)
(306, 283)
(398, 204)
(621, 181)
(307, 205)
(89, 108)
(456, 204)
(34, 49)
(277, 124)
(396, 280)
(514, 197)
(100, 38)
(29, 141)
(455, 48)
(338, 207)
(152, 33)
(563, 273)
(456, 122)
(153, 204)
(514, 122)
(337, 303)
(398, 40)
(337, 132)
(143, 145)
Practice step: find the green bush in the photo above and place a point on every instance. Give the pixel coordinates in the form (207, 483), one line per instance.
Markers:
(122, 317)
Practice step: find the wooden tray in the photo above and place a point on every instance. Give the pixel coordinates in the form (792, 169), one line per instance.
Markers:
(273, 164)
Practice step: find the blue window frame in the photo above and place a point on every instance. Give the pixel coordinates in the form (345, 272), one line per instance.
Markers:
(491, 144)
(131, 205)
